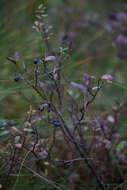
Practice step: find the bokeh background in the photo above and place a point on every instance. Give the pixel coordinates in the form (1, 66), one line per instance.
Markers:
(98, 32)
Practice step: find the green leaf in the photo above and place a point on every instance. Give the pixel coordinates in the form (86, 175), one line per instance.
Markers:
(121, 146)
(40, 6)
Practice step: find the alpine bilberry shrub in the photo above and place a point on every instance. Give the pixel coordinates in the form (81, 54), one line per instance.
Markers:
(60, 109)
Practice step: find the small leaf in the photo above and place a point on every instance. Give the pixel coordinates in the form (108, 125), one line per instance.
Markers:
(81, 87)
(35, 119)
(17, 130)
(4, 133)
(95, 88)
(40, 6)
(27, 130)
(11, 60)
(36, 23)
(50, 58)
(122, 145)
(44, 15)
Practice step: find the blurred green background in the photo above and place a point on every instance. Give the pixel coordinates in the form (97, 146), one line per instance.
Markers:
(87, 24)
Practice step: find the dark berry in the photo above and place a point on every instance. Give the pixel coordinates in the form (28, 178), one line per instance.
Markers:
(40, 108)
(59, 51)
(36, 60)
(56, 123)
(70, 46)
(64, 38)
(16, 79)
(44, 29)
(121, 55)
(113, 17)
(33, 132)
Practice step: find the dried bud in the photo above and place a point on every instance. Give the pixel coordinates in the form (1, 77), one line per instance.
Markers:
(16, 55)
(86, 79)
(27, 124)
(18, 145)
(107, 77)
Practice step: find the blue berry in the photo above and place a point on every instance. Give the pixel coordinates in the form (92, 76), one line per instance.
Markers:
(56, 123)
(113, 17)
(36, 60)
(33, 132)
(16, 79)
(121, 55)
(40, 108)
(44, 30)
